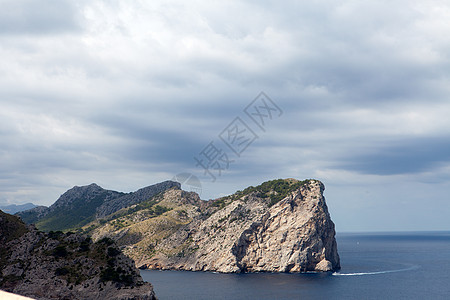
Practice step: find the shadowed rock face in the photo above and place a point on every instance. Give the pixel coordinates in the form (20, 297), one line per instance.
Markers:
(280, 226)
(65, 266)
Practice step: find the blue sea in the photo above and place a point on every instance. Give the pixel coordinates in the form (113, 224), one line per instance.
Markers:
(413, 265)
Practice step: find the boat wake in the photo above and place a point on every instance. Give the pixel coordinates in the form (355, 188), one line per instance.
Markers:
(375, 273)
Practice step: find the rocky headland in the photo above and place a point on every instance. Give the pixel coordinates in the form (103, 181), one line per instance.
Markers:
(278, 226)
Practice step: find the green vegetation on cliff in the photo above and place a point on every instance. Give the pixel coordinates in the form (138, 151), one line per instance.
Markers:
(273, 191)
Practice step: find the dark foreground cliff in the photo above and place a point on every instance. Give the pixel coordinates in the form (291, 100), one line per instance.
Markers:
(279, 226)
(60, 265)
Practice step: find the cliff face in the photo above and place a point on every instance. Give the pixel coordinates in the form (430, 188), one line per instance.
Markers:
(64, 266)
(280, 226)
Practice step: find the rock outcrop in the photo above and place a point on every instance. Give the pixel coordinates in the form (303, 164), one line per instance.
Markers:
(279, 226)
(60, 265)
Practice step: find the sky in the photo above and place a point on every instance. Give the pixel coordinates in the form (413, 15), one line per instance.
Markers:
(131, 93)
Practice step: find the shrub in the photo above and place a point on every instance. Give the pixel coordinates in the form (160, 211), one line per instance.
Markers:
(84, 247)
(106, 240)
(60, 251)
(159, 210)
(61, 271)
(220, 203)
(55, 234)
(274, 190)
(112, 251)
(116, 275)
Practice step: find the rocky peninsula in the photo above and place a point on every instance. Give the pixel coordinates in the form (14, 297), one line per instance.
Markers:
(279, 226)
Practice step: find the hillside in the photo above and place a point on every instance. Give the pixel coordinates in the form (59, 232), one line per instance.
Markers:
(278, 226)
(81, 205)
(60, 265)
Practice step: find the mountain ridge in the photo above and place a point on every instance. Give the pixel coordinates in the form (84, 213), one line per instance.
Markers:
(83, 204)
(15, 208)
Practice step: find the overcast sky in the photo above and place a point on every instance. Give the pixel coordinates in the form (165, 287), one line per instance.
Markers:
(128, 94)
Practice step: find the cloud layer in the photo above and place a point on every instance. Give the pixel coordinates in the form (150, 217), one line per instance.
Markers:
(126, 95)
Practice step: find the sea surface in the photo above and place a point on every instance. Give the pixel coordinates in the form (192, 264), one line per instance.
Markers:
(413, 265)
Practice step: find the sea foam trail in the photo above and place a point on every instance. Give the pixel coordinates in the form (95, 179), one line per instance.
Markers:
(375, 273)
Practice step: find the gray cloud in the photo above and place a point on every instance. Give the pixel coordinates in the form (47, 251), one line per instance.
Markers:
(38, 17)
(127, 94)
(410, 156)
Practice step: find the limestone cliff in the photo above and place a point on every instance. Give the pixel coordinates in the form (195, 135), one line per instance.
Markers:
(279, 226)
(60, 265)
